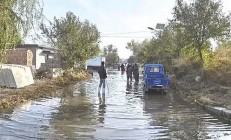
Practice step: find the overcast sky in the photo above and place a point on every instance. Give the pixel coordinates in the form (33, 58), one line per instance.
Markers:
(119, 21)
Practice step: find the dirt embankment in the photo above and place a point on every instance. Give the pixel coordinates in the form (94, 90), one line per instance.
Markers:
(41, 88)
(204, 92)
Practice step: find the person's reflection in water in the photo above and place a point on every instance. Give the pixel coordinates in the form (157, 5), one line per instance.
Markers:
(136, 87)
(102, 99)
(101, 111)
(129, 87)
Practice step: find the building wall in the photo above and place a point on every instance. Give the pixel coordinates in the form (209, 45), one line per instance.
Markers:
(41, 58)
(96, 61)
(17, 56)
(53, 60)
(32, 47)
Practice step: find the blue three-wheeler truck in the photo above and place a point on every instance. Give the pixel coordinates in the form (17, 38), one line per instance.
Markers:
(155, 78)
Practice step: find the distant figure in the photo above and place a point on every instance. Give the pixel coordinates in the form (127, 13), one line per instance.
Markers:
(136, 72)
(129, 73)
(118, 67)
(103, 75)
(122, 67)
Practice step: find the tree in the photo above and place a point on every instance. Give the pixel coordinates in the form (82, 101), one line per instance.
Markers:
(201, 21)
(131, 59)
(135, 47)
(17, 18)
(111, 54)
(77, 41)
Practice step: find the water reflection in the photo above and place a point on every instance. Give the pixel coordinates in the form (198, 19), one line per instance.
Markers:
(129, 86)
(181, 120)
(101, 113)
(128, 114)
(132, 87)
(75, 114)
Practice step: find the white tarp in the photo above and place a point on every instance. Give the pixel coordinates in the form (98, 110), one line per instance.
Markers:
(95, 61)
(15, 76)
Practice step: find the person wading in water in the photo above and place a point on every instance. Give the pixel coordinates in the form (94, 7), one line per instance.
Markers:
(103, 75)
(136, 72)
(129, 72)
(122, 67)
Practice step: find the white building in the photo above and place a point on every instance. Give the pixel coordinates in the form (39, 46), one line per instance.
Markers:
(94, 63)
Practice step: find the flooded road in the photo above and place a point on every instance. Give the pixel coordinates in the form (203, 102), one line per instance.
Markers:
(128, 115)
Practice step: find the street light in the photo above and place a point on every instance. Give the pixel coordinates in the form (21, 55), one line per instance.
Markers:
(150, 28)
(158, 26)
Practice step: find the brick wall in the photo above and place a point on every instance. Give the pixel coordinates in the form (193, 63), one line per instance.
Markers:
(17, 56)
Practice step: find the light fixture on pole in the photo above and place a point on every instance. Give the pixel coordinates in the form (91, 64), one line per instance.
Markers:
(159, 26)
(150, 28)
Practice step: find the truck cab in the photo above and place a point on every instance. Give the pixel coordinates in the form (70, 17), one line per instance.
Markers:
(155, 78)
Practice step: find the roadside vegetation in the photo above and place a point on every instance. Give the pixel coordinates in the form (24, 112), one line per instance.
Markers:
(76, 41)
(18, 17)
(198, 68)
(184, 46)
(41, 89)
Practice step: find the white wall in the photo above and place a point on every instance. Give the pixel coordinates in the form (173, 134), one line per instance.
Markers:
(40, 58)
(95, 61)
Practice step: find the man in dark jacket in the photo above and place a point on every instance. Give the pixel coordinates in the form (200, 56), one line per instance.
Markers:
(129, 72)
(122, 67)
(103, 75)
(136, 72)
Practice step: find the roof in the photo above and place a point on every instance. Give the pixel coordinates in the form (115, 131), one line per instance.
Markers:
(151, 65)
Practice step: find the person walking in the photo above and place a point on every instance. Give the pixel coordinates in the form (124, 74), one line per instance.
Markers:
(122, 67)
(118, 67)
(129, 71)
(103, 75)
(136, 72)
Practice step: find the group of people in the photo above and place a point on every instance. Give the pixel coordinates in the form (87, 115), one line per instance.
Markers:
(131, 70)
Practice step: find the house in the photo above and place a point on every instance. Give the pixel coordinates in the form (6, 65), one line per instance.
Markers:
(40, 58)
(41, 55)
(94, 63)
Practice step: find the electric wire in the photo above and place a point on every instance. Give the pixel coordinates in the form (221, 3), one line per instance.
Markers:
(125, 33)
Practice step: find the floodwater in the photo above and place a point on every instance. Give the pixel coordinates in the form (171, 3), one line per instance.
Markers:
(75, 113)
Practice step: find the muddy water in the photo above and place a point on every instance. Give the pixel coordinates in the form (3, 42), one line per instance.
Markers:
(75, 113)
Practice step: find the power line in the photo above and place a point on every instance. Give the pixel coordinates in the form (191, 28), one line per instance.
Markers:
(126, 33)
(109, 34)
(127, 36)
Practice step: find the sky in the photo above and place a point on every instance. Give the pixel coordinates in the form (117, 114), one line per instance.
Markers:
(118, 21)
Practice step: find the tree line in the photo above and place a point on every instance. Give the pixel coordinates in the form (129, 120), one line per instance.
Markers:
(76, 40)
(186, 38)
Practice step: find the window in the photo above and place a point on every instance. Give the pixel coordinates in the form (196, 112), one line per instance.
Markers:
(154, 69)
